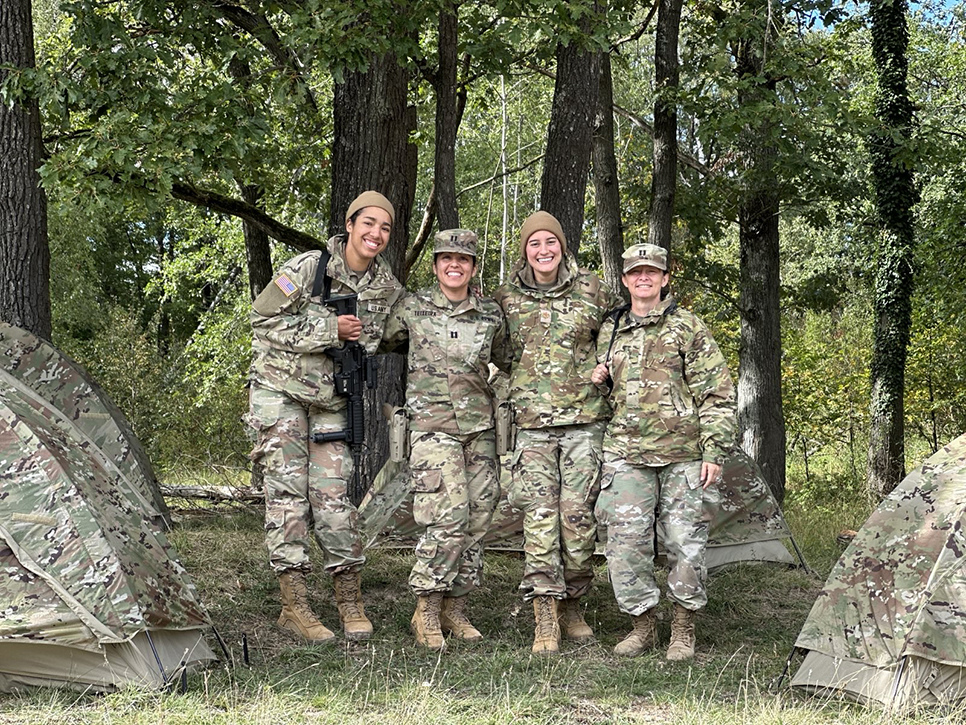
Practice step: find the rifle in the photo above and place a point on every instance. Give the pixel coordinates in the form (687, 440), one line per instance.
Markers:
(355, 372)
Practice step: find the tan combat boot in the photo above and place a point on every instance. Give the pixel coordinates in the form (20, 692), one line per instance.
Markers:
(572, 624)
(348, 598)
(642, 637)
(546, 632)
(682, 635)
(453, 620)
(296, 614)
(425, 621)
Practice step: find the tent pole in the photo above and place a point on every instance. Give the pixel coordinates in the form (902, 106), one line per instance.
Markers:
(221, 643)
(788, 663)
(157, 659)
(895, 683)
(799, 552)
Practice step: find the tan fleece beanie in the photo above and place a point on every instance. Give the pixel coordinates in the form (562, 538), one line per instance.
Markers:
(541, 221)
(370, 198)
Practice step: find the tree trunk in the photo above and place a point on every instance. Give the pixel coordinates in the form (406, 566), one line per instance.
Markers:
(371, 150)
(610, 228)
(895, 197)
(258, 250)
(24, 254)
(570, 138)
(665, 177)
(761, 421)
(447, 121)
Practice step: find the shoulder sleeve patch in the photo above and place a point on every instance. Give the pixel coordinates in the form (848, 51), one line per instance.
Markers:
(275, 296)
(286, 285)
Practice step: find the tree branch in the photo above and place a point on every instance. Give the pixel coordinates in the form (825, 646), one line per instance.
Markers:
(683, 157)
(493, 178)
(641, 30)
(261, 30)
(425, 227)
(251, 214)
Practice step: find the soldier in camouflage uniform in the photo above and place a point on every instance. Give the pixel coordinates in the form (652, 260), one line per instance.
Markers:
(554, 311)
(452, 335)
(292, 397)
(672, 427)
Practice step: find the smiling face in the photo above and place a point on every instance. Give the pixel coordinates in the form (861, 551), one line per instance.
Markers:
(454, 272)
(368, 235)
(645, 284)
(544, 255)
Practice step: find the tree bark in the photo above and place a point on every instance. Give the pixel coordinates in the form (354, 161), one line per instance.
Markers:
(24, 254)
(258, 250)
(761, 421)
(371, 150)
(895, 198)
(665, 176)
(447, 120)
(570, 138)
(610, 228)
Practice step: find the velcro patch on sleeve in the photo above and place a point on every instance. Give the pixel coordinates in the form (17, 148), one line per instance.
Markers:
(286, 285)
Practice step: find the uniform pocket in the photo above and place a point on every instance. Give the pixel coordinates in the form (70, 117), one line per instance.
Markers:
(605, 503)
(426, 549)
(427, 480)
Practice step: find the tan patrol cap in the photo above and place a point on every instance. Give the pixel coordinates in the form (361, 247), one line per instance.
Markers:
(461, 241)
(370, 198)
(541, 221)
(645, 254)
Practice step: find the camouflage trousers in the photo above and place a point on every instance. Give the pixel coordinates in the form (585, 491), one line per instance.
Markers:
(455, 494)
(630, 498)
(554, 480)
(305, 484)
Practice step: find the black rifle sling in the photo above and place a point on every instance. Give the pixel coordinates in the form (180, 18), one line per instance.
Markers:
(618, 313)
(323, 282)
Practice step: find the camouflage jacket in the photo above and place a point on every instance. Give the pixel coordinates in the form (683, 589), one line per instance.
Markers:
(449, 349)
(552, 337)
(291, 329)
(672, 394)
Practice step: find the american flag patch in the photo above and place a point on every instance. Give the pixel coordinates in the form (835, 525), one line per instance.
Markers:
(285, 284)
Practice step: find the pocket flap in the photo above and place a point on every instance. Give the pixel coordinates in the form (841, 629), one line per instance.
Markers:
(427, 480)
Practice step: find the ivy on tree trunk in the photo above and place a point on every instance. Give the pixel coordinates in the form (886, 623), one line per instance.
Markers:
(895, 196)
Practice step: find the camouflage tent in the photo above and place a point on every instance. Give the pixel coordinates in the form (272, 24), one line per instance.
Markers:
(31, 363)
(748, 525)
(91, 594)
(890, 624)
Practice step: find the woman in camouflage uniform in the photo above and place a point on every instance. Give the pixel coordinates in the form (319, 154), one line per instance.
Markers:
(292, 397)
(452, 335)
(673, 424)
(554, 311)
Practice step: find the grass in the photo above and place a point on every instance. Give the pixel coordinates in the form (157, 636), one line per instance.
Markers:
(744, 636)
